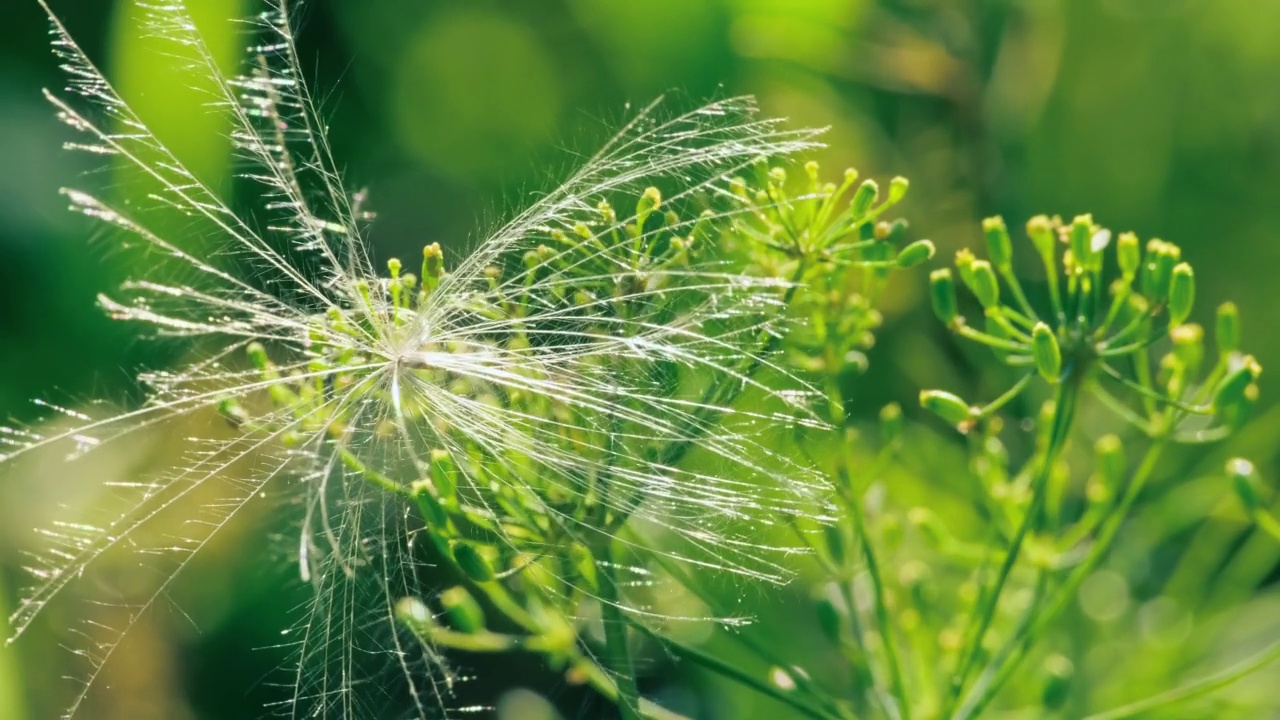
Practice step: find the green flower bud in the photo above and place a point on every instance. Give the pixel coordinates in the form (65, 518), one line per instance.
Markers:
(1058, 672)
(985, 286)
(890, 422)
(257, 353)
(1109, 460)
(432, 266)
(1128, 255)
(471, 562)
(235, 415)
(1157, 270)
(1188, 346)
(585, 564)
(1231, 391)
(1244, 479)
(416, 616)
(811, 170)
(463, 610)
(942, 291)
(649, 201)
(393, 267)
(1227, 329)
(1044, 348)
(1082, 240)
(898, 189)
(1040, 230)
(947, 406)
(1182, 294)
(863, 198)
(444, 474)
(999, 246)
(917, 252)
(432, 512)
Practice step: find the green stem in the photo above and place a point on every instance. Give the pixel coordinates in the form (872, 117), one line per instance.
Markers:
(883, 622)
(1064, 412)
(1199, 688)
(615, 633)
(732, 672)
(996, 675)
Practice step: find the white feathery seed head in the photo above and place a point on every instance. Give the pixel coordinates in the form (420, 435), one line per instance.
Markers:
(568, 382)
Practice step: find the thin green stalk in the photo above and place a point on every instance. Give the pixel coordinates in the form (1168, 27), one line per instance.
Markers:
(883, 623)
(1197, 689)
(1064, 412)
(732, 672)
(997, 674)
(615, 633)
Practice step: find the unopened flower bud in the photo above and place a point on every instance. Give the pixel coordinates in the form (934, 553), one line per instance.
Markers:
(942, 290)
(864, 197)
(1227, 329)
(946, 406)
(999, 246)
(432, 265)
(1109, 460)
(898, 189)
(1040, 230)
(471, 562)
(1244, 479)
(890, 422)
(1045, 351)
(1188, 345)
(832, 614)
(985, 286)
(1128, 255)
(1082, 240)
(1058, 672)
(463, 610)
(917, 252)
(649, 201)
(1182, 294)
(1231, 391)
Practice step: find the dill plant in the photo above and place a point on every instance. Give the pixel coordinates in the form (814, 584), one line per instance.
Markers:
(523, 447)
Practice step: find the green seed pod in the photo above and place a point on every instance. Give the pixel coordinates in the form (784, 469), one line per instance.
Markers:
(1058, 672)
(942, 290)
(1157, 270)
(863, 198)
(1040, 230)
(898, 189)
(985, 285)
(1227, 329)
(1109, 460)
(1128, 255)
(999, 246)
(471, 562)
(1045, 351)
(890, 422)
(1244, 479)
(946, 406)
(1182, 294)
(1082, 240)
(464, 612)
(917, 252)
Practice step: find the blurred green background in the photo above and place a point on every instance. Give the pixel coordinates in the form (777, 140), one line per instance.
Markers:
(1160, 116)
